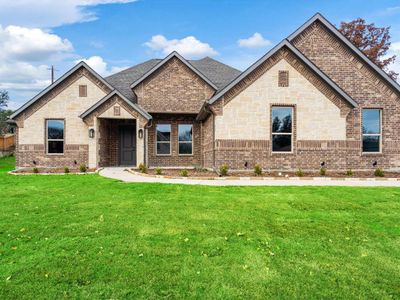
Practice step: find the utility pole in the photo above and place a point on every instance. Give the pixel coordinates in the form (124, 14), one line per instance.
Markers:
(52, 73)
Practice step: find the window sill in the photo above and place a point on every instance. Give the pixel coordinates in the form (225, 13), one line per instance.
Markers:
(161, 155)
(55, 154)
(372, 154)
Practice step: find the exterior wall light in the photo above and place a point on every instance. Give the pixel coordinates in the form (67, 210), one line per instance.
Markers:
(91, 133)
(140, 133)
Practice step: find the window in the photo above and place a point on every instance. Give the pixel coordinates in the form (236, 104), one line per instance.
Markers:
(282, 129)
(55, 136)
(371, 130)
(163, 139)
(83, 91)
(185, 139)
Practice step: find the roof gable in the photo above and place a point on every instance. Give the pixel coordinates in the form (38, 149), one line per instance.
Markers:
(82, 64)
(343, 39)
(136, 107)
(165, 60)
(305, 60)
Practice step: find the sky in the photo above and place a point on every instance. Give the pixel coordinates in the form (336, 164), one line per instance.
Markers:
(111, 35)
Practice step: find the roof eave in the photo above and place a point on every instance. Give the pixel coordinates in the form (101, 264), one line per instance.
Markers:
(339, 35)
(56, 83)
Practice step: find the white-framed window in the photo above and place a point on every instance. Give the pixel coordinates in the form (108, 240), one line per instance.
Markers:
(55, 136)
(282, 128)
(371, 130)
(163, 133)
(185, 139)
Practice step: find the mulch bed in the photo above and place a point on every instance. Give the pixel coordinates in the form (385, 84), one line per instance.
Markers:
(206, 173)
(50, 171)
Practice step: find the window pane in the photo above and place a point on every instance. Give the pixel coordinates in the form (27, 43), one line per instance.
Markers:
(371, 143)
(282, 143)
(185, 133)
(163, 148)
(185, 148)
(282, 119)
(163, 132)
(55, 129)
(55, 147)
(371, 121)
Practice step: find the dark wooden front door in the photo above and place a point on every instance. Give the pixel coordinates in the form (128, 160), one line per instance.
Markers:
(127, 145)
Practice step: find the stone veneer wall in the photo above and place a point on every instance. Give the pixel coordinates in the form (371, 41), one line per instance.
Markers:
(332, 133)
(364, 85)
(173, 88)
(174, 160)
(63, 102)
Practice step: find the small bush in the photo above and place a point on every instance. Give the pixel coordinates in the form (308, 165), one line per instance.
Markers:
(379, 173)
(158, 171)
(66, 170)
(223, 170)
(142, 168)
(184, 173)
(83, 168)
(299, 173)
(349, 173)
(257, 170)
(35, 170)
(322, 171)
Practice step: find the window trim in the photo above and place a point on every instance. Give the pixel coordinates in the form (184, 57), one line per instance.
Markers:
(185, 142)
(292, 107)
(164, 142)
(54, 140)
(380, 134)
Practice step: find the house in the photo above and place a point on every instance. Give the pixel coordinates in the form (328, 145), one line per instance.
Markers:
(312, 100)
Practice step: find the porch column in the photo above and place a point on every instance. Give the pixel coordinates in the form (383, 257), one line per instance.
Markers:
(93, 144)
(139, 143)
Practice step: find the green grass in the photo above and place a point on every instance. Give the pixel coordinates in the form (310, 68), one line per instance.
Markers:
(84, 236)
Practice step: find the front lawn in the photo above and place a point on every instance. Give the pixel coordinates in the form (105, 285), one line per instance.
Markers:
(84, 236)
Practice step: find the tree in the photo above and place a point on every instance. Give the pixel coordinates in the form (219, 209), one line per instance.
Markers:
(4, 127)
(373, 41)
(3, 99)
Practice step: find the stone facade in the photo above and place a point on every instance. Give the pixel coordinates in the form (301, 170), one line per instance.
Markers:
(173, 88)
(62, 103)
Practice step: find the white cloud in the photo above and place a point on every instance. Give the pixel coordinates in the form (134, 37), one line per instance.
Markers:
(189, 47)
(98, 64)
(49, 13)
(255, 41)
(30, 44)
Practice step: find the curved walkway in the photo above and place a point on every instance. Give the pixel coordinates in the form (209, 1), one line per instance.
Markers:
(123, 175)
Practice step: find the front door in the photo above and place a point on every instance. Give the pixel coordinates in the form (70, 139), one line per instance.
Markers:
(127, 145)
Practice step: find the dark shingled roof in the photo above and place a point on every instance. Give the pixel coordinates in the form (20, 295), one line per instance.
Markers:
(218, 73)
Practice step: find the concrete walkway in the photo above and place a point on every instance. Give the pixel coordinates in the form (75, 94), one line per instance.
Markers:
(123, 175)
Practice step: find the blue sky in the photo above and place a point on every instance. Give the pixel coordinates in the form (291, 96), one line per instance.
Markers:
(113, 34)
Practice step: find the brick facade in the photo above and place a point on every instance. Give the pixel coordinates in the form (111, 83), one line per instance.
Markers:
(173, 88)
(174, 159)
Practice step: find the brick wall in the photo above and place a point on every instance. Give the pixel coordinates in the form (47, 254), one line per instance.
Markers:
(174, 160)
(173, 88)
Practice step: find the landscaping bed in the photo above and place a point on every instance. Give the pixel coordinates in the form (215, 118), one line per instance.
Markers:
(203, 173)
(51, 171)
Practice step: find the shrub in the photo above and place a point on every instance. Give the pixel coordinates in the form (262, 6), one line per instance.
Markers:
(184, 173)
(83, 168)
(322, 171)
(299, 173)
(257, 170)
(158, 171)
(142, 168)
(66, 170)
(223, 170)
(35, 170)
(379, 173)
(349, 172)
